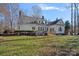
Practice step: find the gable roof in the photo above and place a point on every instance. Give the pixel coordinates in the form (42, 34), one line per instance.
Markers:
(54, 22)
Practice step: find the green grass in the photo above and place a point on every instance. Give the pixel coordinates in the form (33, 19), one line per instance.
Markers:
(32, 45)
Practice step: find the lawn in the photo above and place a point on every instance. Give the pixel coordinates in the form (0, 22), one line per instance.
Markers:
(35, 45)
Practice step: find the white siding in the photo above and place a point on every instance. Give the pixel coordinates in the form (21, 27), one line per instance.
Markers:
(42, 28)
(27, 27)
(56, 29)
(39, 26)
(60, 32)
(52, 27)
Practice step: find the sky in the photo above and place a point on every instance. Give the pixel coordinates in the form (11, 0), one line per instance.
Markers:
(50, 11)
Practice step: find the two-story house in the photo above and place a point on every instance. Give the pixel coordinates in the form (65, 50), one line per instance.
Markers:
(28, 23)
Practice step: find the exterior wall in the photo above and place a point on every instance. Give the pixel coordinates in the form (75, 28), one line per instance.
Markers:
(28, 27)
(55, 29)
(60, 32)
(42, 28)
(27, 23)
(52, 29)
(58, 25)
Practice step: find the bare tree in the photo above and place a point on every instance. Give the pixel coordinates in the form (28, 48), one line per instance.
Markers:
(36, 11)
(1, 22)
(13, 9)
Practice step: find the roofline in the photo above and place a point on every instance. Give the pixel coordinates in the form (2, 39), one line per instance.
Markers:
(32, 17)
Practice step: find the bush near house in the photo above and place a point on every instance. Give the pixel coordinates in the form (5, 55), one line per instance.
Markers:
(23, 33)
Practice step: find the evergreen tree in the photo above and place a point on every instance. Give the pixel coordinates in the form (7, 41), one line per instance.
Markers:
(67, 27)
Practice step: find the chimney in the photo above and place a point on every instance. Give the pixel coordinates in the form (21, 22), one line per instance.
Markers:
(42, 17)
(57, 18)
(20, 13)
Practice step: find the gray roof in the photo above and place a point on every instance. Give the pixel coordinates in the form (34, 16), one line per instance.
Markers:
(54, 22)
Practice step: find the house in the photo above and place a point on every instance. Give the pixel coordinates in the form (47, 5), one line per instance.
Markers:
(28, 23)
(40, 25)
(56, 27)
(32, 24)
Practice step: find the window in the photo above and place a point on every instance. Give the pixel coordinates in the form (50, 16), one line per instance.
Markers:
(33, 28)
(51, 29)
(60, 29)
(47, 29)
(38, 28)
(43, 29)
